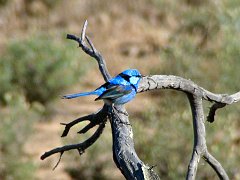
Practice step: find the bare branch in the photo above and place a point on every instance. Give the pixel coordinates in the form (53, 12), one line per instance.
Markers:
(193, 165)
(92, 51)
(181, 84)
(210, 118)
(94, 119)
(68, 126)
(81, 146)
(212, 111)
(124, 153)
(87, 127)
(60, 157)
(215, 165)
(195, 95)
(178, 83)
(199, 134)
(236, 97)
(84, 30)
(91, 45)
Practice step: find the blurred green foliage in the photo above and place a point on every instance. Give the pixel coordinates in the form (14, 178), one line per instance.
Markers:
(48, 3)
(17, 119)
(3, 2)
(40, 67)
(206, 40)
(34, 71)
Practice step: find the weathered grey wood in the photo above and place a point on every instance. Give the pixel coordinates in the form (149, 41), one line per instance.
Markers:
(195, 95)
(124, 154)
(199, 135)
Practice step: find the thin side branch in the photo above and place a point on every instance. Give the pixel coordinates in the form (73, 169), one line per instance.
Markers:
(84, 30)
(212, 111)
(210, 118)
(68, 126)
(98, 118)
(92, 51)
(94, 119)
(215, 165)
(80, 146)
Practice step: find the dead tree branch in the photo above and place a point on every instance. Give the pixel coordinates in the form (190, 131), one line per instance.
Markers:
(81, 147)
(195, 95)
(124, 154)
(92, 51)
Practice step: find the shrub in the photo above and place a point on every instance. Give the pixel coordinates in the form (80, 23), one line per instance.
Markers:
(3, 2)
(16, 125)
(39, 67)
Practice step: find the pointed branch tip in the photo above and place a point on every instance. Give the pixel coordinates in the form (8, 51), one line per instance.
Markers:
(58, 161)
(84, 30)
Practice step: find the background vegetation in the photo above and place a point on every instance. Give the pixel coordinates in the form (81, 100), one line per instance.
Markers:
(195, 39)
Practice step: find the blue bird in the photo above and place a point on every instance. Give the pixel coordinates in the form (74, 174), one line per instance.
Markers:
(118, 90)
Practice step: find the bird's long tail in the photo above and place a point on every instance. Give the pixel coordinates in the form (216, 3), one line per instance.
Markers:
(70, 96)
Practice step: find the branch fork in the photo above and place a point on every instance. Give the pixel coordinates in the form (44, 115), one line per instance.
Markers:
(124, 154)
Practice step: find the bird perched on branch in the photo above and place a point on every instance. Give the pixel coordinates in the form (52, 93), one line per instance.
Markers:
(118, 90)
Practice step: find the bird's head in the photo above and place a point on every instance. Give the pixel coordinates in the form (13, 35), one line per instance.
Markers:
(132, 75)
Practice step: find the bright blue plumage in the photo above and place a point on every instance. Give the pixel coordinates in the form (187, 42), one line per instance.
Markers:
(118, 90)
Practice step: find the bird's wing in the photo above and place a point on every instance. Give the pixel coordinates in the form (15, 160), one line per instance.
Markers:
(115, 92)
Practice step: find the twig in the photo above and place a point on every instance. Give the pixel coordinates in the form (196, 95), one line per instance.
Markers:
(234, 98)
(84, 30)
(82, 146)
(215, 165)
(94, 119)
(92, 51)
(68, 126)
(60, 157)
(212, 111)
